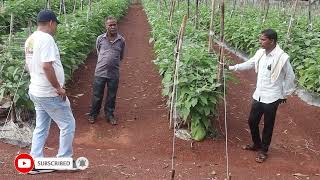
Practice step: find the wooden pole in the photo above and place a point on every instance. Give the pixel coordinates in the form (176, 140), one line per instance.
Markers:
(74, 6)
(242, 6)
(173, 4)
(176, 70)
(211, 30)
(309, 17)
(13, 111)
(291, 20)
(221, 49)
(196, 19)
(89, 11)
(266, 11)
(64, 11)
(160, 6)
(188, 8)
(60, 7)
(49, 4)
(11, 29)
(233, 7)
(30, 27)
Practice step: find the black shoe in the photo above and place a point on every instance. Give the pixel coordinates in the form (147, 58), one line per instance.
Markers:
(40, 171)
(112, 120)
(92, 119)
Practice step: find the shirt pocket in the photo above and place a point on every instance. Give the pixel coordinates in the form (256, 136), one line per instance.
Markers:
(117, 48)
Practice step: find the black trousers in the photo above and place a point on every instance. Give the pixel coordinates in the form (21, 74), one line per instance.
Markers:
(269, 111)
(97, 97)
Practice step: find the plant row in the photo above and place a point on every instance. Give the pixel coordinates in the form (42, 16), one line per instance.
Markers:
(243, 27)
(198, 90)
(25, 10)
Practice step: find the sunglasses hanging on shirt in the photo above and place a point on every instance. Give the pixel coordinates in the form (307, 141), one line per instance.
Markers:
(269, 67)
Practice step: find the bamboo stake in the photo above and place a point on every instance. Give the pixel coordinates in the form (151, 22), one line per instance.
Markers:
(89, 11)
(49, 4)
(170, 10)
(266, 11)
(242, 6)
(233, 7)
(211, 30)
(177, 56)
(29, 27)
(188, 8)
(74, 6)
(11, 29)
(291, 20)
(13, 111)
(60, 7)
(309, 17)
(221, 49)
(64, 11)
(160, 6)
(173, 4)
(196, 18)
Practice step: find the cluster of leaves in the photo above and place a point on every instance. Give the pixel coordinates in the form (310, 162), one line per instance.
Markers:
(26, 10)
(198, 90)
(243, 26)
(75, 40)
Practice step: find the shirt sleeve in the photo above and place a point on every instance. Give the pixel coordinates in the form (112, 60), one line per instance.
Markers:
(48, 50)
(248, 64)
(289, 77)
(98, 45)
(123, 45)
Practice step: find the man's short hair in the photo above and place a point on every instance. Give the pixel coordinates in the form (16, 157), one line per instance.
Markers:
(110, 18)
(270, 34)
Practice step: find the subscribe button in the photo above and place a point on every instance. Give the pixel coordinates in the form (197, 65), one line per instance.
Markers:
(53, 163)
(24, 163)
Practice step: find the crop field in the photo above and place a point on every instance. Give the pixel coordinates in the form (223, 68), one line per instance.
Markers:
(181, 114)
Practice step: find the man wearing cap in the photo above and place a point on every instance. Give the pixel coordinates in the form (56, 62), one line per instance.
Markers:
(110, 49)
(46, 89)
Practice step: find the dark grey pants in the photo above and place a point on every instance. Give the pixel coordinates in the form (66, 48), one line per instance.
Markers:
(269, 111)
(97, 97)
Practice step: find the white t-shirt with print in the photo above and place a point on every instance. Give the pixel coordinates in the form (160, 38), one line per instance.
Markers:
(40, 47)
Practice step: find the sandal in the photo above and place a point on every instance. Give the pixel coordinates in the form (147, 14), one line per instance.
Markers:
(261, 157)
(250, 147)
(91, 119)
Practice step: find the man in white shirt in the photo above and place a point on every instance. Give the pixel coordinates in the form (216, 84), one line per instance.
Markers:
(46, 88)
(275, 81)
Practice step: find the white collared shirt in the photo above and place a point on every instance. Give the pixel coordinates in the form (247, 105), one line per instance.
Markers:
(268, 91)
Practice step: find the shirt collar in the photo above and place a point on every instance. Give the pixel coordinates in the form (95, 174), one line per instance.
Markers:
(117, 38)
(274, 51)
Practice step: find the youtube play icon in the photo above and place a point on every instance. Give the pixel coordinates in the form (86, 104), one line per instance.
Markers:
(24, 163)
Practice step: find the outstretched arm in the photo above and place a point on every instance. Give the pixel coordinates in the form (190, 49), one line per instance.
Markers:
(248, 64)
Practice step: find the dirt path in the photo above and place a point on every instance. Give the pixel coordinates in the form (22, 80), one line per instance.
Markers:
(139, 147)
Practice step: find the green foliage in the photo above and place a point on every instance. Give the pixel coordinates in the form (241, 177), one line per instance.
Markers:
(198, 90)
(242, 32)
(25, 10)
